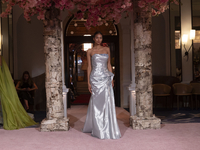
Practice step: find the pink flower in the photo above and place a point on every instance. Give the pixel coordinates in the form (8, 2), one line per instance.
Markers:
(141, 4)
(164, 1)
(154, 13)
(107, 10)
(123, 6)
(93, 1)
(32, 3)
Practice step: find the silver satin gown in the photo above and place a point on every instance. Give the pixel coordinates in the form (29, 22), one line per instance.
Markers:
(101, 118)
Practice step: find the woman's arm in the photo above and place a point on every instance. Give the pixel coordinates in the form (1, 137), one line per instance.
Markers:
(109, 65)
(19, 89)
(34, 87)
(89, 69)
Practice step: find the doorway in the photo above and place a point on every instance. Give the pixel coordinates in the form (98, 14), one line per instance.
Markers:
(77, 40)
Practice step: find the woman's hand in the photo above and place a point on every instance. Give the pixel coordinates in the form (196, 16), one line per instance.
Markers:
(90, 87)
(24, 89)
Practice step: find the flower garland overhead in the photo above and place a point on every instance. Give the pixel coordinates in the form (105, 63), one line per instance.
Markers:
(158, 6)
(96, 12)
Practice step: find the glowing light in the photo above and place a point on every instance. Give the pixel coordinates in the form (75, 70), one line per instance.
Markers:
(87, 46)
(75, 24)
(192, 34)
(87, 35)
(184, 38)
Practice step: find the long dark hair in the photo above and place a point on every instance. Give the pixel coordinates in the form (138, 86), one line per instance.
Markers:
(97, 32)
(29, 81)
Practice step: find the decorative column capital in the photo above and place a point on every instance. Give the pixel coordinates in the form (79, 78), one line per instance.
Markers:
(132, 86)
(65, 90)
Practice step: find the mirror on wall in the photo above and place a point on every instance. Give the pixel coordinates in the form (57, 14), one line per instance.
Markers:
(175, 31)
(196, 41)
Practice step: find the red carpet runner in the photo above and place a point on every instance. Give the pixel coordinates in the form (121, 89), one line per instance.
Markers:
(82, 99)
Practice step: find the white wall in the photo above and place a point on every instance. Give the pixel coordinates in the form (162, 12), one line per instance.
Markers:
(125, 59)
(160, 45)
(16, 14)
(186, 26)
(29, 46)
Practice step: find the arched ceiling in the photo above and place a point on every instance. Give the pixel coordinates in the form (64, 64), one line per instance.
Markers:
(77, 28)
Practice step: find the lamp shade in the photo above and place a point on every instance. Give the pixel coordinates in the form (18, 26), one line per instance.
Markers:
(192, 34)
(87, 35)
(184, 38)
(87, 46)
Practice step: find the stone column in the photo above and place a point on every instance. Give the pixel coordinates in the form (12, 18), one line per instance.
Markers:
(144, 118)
(131, 88)
(55, 120)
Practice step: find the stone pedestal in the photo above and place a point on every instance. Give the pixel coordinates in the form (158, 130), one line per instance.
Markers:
(140, 123)
(144, 118)
(56, 124)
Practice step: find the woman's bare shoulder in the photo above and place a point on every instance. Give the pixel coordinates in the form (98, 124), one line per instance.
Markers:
(107, 49)
(89, 51)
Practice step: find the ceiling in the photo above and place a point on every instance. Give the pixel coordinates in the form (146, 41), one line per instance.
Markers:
(77, 28)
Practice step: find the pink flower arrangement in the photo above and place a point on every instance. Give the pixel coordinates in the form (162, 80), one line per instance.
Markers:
(97, 12)
(157, 6)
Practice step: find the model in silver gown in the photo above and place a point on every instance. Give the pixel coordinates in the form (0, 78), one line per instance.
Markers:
(101, 118)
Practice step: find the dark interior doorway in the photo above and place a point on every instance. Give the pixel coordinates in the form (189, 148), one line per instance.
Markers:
(74, 59)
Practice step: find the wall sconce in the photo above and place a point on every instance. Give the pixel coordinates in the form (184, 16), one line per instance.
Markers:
(185, 40)
(192, 34)
(87, 46)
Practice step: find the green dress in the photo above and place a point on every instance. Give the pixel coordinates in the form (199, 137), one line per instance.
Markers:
(14, 115)
(1, 114)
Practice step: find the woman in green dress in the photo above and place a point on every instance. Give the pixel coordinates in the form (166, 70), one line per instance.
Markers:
(14, 115)
(1, 115)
